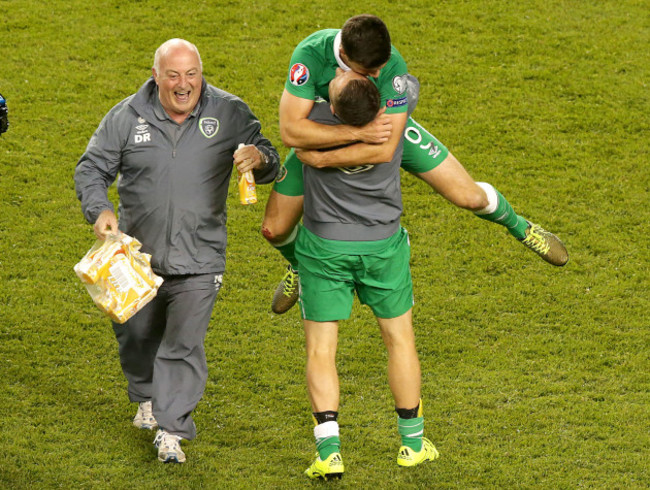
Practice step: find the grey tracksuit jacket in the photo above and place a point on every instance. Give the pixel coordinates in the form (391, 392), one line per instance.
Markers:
(355, 203)
(360, 203)
(173, 179)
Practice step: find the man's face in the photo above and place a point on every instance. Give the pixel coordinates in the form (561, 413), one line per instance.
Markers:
(360, 69)
(179, 81)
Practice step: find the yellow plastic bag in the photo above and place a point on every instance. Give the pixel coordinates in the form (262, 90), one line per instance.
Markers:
(118, 276)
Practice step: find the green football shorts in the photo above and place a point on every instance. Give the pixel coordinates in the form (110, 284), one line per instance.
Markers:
(380, 276)
(422, 152)
(289, 179)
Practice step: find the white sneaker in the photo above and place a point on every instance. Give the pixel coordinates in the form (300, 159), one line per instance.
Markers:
(144, 418)
(169, 447)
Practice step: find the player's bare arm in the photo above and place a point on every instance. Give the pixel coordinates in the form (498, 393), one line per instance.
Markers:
(358, 153)
(296, 130)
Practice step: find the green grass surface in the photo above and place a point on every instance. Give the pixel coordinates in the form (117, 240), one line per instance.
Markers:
(533, 376)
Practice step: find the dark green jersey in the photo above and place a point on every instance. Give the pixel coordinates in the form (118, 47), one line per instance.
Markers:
(314, 63)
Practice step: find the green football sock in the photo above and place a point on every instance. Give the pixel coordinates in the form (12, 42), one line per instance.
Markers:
(288, 248)
(327, 446)
(500, 211)
(411, 431)
(326, 433)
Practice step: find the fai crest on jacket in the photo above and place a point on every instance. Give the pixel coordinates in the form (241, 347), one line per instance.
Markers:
(209, 126)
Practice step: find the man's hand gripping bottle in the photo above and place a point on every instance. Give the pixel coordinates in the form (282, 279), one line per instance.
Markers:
(246, 182)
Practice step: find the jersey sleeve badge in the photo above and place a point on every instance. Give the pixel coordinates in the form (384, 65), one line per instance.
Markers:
(282, 174)
(400, 83)
(298, 74)
(397, 102)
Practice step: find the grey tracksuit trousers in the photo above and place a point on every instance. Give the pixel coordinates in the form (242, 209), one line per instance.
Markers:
(162, 352)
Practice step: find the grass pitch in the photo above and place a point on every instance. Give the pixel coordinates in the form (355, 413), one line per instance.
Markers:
(533, 376)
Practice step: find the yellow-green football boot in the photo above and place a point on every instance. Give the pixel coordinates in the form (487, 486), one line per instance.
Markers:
(407, 457)
(286, 294)
(545, 244)
(331, 468)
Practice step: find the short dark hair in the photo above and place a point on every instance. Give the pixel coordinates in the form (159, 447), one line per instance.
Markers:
(357, 103)
(365, 40)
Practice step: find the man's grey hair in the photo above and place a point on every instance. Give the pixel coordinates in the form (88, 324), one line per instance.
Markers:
(165, 47)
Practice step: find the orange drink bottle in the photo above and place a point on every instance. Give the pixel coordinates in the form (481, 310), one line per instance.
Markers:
(246, 183)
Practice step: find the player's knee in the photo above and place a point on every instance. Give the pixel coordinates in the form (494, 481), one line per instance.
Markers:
(322, 354)
(272, 234)
(472, 199)
(269, 234)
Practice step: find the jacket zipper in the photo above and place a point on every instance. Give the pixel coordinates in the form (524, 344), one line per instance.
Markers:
(169, 206)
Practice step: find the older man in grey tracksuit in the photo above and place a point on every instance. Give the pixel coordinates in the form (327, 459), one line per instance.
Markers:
(173, 144)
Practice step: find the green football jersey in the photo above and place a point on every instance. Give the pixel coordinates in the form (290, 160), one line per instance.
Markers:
(314, 63)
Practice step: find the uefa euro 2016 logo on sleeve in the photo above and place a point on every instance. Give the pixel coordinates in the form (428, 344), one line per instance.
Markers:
(299, 74)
